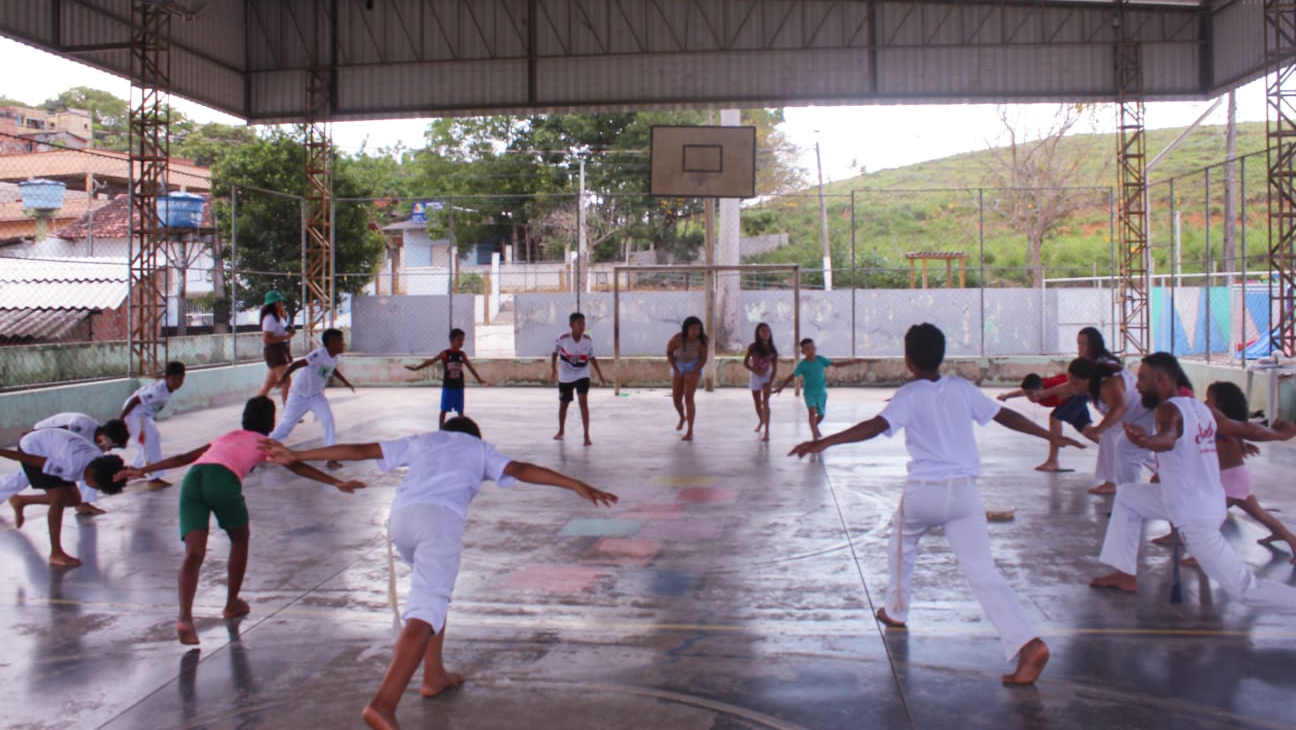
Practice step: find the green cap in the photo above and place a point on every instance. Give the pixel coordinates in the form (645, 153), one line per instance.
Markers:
(273, 296)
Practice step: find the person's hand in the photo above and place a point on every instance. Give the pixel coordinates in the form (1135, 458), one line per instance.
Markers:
(350, 486)
(484, 383)
(277, 453)
(1066, 441)
(597, 496)
(411, 368)
(1249, 449)
(352, 387)
(128, 474)
(1092, 433)
(1286, 428)
(1137, 435)
(603, 381)
(807, 447)
(1002, 397)
(553, 375)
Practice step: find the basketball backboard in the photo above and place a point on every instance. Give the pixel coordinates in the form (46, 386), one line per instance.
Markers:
(703, 162)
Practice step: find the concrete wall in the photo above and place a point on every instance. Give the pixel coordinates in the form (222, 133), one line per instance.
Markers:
(408, 325)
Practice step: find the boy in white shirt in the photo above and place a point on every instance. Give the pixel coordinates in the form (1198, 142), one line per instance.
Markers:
(139, 412)
(308, 389)
(427, 521)
(572, 358)
(54, 459)
(110, 435)
(936, 413)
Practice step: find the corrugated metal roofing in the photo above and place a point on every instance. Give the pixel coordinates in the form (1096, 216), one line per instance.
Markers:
(62, 284)
(19, 326)
(434, 57)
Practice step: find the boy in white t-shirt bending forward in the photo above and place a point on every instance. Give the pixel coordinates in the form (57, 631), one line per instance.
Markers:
(307, 392)
(936, 414)
(447, 468)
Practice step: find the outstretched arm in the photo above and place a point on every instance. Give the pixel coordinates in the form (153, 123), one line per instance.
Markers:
(280, 454)
(1009, 418)
(130, 406)
(1281, 430)
(310, 472)
(862, 431)
(298, 365)
(785, 382)
(1010, 394)
(473, 370)
(427, 362)
(536, 474)
(338, 374)
(22, 458)
(170, 462)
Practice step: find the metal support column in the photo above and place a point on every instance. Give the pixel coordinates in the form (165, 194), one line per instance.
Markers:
(319, 301)
(1280, 51)
(150, 128)
(1131, 164)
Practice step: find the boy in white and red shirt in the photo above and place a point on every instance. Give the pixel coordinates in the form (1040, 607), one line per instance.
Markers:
(215, 485)
(570, 364)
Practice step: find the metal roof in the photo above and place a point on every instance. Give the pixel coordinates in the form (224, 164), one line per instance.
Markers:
(62, 284)
(393, 58)
(18, 326)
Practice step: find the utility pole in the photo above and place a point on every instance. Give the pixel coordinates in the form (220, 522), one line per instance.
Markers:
(823, 223)
(582, 277)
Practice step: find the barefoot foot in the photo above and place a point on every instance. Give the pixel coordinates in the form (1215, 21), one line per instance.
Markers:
(63, 560)
(440, 684)
(1123, 582)
(887, 621)
(1047, 466)
(688, 436)
(680, 426)
(588, 442)
(186, 633)
(379, 719)
(18, 506)
(558, 436)
(1104, 488)
(1262, 541)
(765, 437)
(1166, 539)
(1189, 562)
(237, 607)
(85, 508)
(1030, 663)
(759, 426)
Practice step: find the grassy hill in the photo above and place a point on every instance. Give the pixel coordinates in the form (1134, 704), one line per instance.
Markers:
(950, 205)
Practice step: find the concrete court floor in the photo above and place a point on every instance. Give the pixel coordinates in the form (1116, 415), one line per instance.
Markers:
(731, 588)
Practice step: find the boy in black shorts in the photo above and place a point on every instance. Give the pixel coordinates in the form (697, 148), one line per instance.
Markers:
(576, 351)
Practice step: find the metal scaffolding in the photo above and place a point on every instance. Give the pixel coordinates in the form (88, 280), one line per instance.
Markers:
(1280, 50)
(317, 209)
(1131, 170)
(150, 132)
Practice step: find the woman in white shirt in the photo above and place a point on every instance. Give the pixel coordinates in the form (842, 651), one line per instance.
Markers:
(275, 335)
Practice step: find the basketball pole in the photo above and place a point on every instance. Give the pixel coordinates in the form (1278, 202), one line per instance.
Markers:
(708, 379)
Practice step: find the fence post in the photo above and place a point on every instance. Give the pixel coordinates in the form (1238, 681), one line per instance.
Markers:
(1210, 321)
(234, 307)
(981, 263)
(1242, 208)
(1176, 266)
(853, 283)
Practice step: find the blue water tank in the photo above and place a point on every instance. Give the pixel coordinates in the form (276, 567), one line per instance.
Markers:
(41, 194)
(181, 210)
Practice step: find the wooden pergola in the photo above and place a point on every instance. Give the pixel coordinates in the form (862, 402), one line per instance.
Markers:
(949, 257)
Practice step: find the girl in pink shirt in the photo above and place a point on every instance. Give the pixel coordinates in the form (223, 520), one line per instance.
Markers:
(215, 485)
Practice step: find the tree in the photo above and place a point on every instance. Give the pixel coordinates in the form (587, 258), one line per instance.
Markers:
(210, 143)
(110, 115)
(1037, 177)
(270, 225)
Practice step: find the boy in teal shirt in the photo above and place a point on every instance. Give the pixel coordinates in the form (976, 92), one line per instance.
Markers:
(814, 382)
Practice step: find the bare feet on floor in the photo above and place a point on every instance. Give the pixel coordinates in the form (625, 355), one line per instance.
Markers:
(588, 442)
(1166, 539)
(379, 719)
(1047, 466)
(85, 508)
(157, 483)
(680, 426)
(18, 506)
(1030, 663)
(1104, 488)
(185, 631)
(887, 621)
(759, 426)
(765, 437)
(558, 436)
(441, 684)
(1123, 582)
(237, 607)
(63, 560)
(688, 436)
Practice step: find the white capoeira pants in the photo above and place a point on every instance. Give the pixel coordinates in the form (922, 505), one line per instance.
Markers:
(1142, 501)
(429, 538)
(296, 407)
(13, 484)
(148, 445)
(1119, 460)
(956, 505)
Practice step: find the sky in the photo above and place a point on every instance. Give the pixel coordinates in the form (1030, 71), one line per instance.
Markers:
(896, 135)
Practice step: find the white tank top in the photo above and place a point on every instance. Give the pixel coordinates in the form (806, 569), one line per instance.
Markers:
(1190, 475)
(1135, 411)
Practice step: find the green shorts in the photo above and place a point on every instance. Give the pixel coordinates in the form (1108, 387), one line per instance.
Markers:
(209, 488)
(816, 399)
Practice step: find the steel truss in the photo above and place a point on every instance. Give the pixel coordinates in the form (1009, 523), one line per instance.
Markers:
(150, 152)
(1131, 170)
(1280, 50)
(318, 284)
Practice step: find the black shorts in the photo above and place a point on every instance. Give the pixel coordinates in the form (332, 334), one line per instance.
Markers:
(277, 354)
(565, 389)
(40, 480)
(1075, 412)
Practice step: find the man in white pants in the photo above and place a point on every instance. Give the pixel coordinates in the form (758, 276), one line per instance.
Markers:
(139, 412)
(1189, 494)
(936, 413)
(307, 392)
